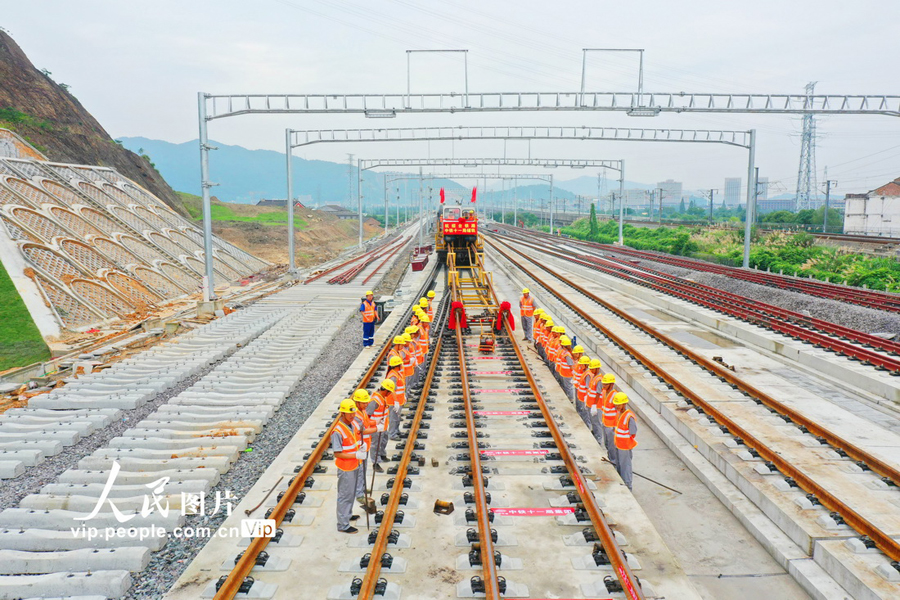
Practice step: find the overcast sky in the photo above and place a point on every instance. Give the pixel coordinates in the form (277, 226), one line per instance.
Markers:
(137, 66)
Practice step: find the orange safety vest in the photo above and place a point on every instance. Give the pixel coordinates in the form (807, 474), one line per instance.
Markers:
(381, 412)
(562, 364)
(394, 351)
(610, 416)
(624, 439)
(591, 397)
(409, 362)
(526, 306)
(422, 344)
(430, 311)
(539, 333)
(367, 423)
(399, 395)
(581, 381)
(350, 442)
(368, 311)
(552, 350)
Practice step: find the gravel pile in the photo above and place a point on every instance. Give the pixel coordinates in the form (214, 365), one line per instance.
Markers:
(841, 313)
(167, 565)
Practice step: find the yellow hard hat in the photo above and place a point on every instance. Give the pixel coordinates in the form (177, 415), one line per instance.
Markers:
(395, 361)
(564, 340)
(411, 329)
(425, 319)
(545, 316)
(369, 293)
(584, 360)
(418, 311)
(406, 338)
(561, 329)
(549, 322)
(578, 349)
(538, 312)
(595, 364)
(608, 378)
(347, 406)
(525, 290)
(620, 398)
(557, 329)
(431, 294)
(389, 385)
(398, 339)
(360, 396)
(423, 302)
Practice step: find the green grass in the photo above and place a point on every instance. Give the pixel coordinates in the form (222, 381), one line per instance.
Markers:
(222, 211)
(20, 341)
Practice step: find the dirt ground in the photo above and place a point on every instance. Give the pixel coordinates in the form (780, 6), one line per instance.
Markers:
(323, 239)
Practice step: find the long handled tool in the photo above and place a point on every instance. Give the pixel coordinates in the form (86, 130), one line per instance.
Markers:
(647, 478)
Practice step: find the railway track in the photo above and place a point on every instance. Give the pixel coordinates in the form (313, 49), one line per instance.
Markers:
(363, 259)
(857, 345)
(826, 482)
(486, 435)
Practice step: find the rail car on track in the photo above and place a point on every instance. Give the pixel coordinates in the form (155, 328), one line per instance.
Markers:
(457, 229)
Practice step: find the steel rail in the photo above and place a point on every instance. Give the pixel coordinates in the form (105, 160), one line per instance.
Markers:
(617, 558)
(370, 257)
(370, 579)
(488, 564)
(382, 263)
(785, 321)
(883, 542)
(877, 465)
(232, 584)
(344, 264)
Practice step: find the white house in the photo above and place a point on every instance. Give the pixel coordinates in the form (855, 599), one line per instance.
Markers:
(874, 213)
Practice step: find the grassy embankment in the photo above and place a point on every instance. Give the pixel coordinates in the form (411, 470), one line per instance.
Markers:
(20, 341)
(240, 213)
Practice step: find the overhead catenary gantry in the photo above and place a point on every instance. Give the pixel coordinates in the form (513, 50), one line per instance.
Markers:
(639, 104)
(295, 138)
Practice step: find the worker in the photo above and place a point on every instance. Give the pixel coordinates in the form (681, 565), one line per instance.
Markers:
(423, 342)
(416, 350)
(423, 304)
(346, 443)
(582, 376)
(369, 318)
(609, 416)
(536, 325)
(545, 335)
(526, 313)
(564, 364)
(379, 410)
(430, 312)
(409, 356)
(397, 348)
(552, 346)
(626, 430)
(592, 399)
(577, 353)
(395, 373)
(367, 427)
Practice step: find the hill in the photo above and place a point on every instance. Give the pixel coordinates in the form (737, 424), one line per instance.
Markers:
(587, 185)
(46, 114)
(246, 176)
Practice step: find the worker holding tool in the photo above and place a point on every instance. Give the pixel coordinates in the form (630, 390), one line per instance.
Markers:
(430, 311)
(367, 427)
(395, 373)
(609, 415)
(582, 376)
(369, 318)
(346, 443)
(592, 398)
(626, 430)
(526, 313)
(422, 341)
(380, 411)
(564, 365)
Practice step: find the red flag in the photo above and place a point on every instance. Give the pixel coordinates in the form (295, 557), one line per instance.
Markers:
(474, 189)
(442, 195)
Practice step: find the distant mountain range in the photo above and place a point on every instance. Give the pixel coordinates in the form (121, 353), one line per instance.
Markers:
(247, 176)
